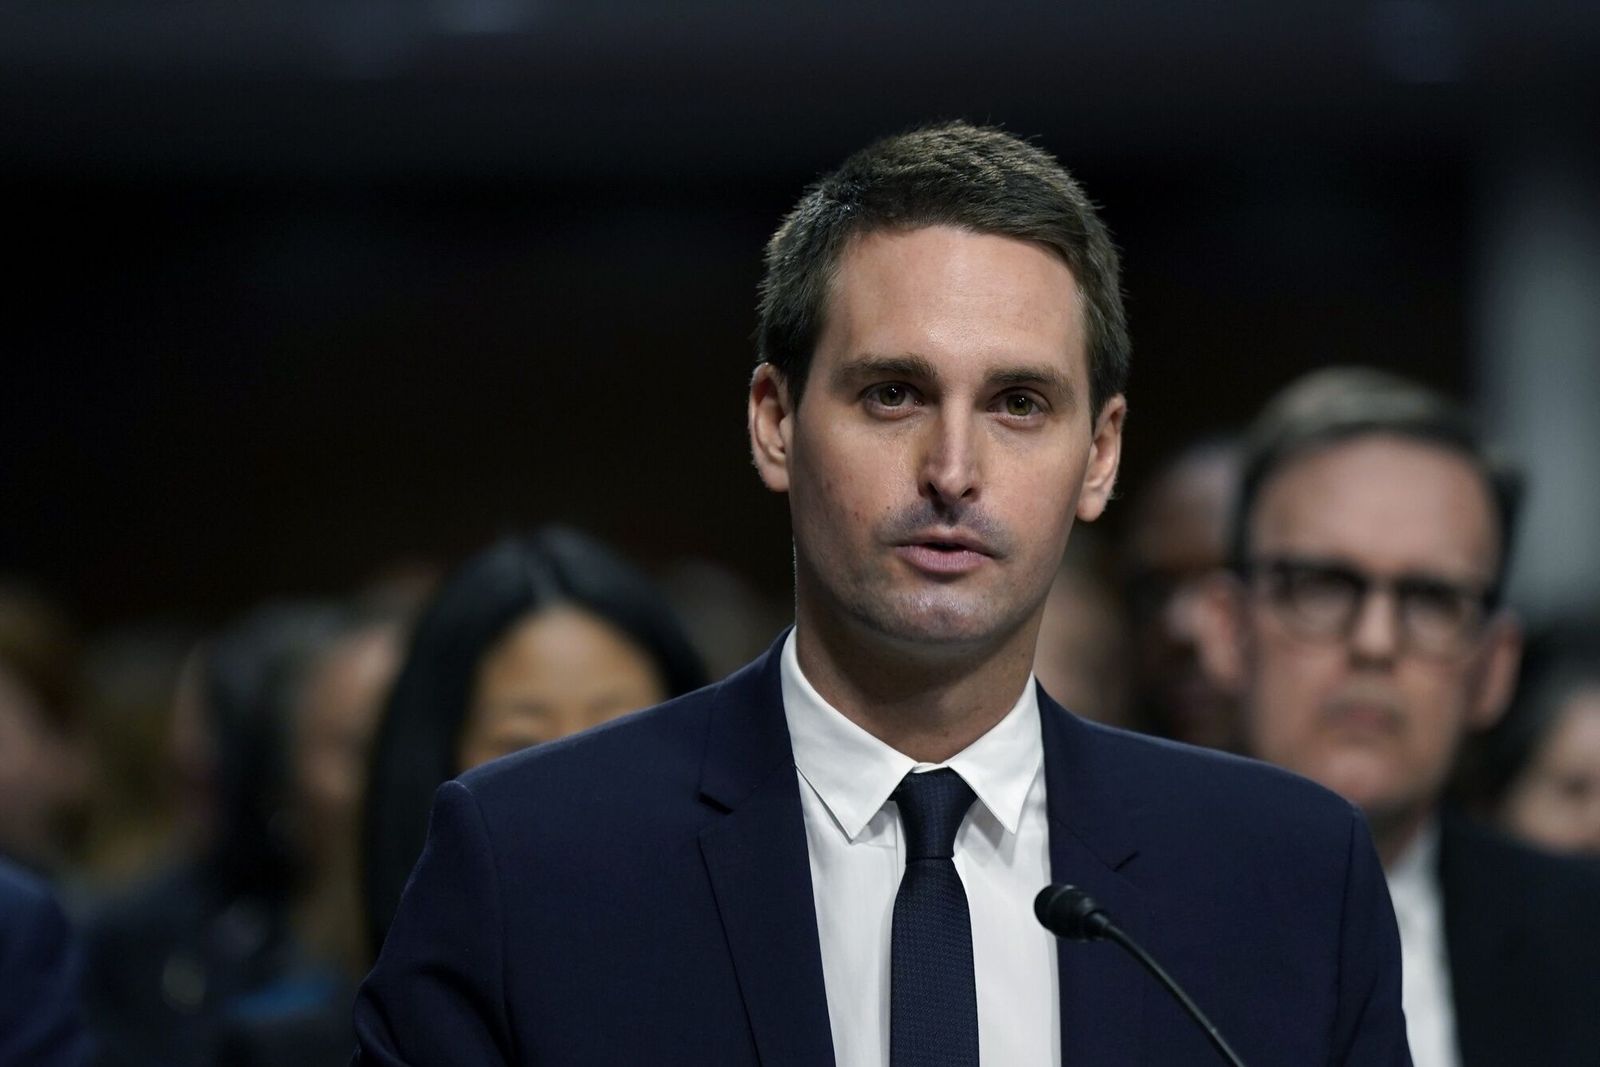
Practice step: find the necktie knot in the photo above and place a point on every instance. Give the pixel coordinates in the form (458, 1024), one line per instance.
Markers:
(932, 805)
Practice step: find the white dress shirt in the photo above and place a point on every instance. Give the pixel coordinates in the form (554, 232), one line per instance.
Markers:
(1425, 991)
(1002, 853)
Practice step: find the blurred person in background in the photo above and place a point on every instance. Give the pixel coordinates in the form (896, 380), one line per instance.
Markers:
(334, 720)
(533, 639)
(1537, 772)
(1365, 634)
(302, 1017)
(1176, 539)
(129, 686)
(41, 1023)
(1082, 656)
(42, 767)
(172, 960)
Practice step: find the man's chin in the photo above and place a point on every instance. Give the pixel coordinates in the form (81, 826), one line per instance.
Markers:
(1377, 789)
(939, 630)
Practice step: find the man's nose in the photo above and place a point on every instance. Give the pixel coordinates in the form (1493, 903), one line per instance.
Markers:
(1180, 614)
(950, 460)
(1375, 633)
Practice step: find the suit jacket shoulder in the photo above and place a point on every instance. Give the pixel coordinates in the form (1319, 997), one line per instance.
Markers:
(1193, 820)
(1258, 890)
(1202, 785)
(637, 893)
(599, 781)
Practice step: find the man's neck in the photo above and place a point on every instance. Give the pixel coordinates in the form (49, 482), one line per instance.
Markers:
(929, 707)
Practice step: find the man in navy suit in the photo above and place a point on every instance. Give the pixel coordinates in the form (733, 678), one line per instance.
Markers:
(831, 855)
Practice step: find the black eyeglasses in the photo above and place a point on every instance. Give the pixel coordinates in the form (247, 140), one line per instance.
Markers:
(1321, 600)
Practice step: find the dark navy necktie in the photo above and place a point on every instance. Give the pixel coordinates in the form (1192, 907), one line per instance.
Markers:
(933, 999)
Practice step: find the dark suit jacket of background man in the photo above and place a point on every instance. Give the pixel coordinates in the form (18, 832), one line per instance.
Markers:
(642, 894)
(1522, 930)
(40, 1016)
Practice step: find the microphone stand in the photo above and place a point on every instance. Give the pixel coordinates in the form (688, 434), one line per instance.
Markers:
(1070, 913)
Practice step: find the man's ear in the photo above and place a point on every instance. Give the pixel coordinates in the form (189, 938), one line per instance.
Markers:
(1502, 658)
(1105, 453)
(1222, 631)
(771, 426)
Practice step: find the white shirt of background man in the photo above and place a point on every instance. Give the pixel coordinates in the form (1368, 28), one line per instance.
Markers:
(1424, 960)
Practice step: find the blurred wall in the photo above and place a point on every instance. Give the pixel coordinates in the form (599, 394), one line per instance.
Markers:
(304, 290)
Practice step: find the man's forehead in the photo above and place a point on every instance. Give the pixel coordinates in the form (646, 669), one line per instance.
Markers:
(931, 289)
(1380, 498)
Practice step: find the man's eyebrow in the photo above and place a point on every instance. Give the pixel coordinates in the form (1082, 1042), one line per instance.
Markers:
(1044, 376)
(873, 366)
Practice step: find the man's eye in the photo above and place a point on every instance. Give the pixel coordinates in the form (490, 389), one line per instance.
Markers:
(890, 395)
(1020, 405)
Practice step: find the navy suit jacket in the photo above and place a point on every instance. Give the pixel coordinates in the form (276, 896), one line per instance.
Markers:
(641, 893)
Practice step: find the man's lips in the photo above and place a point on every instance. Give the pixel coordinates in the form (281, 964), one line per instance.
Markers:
(945, 554)
(1363, 717)
(950, 540)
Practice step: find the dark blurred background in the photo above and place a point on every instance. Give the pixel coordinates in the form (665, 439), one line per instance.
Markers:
(303, 292)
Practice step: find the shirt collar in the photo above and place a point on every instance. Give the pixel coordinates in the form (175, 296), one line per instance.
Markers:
(854, 773)
(1414, 874)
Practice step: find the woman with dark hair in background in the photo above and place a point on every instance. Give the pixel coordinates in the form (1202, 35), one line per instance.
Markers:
(535, 638)
(1537, 773)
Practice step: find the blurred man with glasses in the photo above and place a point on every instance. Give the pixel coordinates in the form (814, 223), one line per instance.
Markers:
(1364, 632)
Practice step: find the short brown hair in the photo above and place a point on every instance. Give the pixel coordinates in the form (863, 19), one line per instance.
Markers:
(973, 177)
(1341, 403)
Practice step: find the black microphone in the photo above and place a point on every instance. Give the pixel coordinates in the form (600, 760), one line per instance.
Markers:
(1069, 912)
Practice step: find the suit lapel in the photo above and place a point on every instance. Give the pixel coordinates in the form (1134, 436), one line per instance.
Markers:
(1091, 839)
(756, 858)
